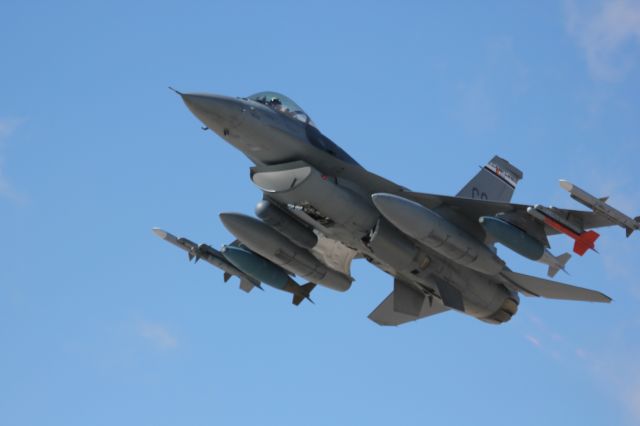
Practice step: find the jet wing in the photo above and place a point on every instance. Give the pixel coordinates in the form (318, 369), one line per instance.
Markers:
(539, 287)
(473, 209)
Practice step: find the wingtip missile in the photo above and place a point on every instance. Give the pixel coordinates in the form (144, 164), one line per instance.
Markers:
(566, 185)
(160, 233)
(600, 206)
(182, 243)
(584, 240)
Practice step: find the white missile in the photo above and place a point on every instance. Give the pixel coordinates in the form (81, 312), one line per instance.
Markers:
(599, 205)
(211, 256)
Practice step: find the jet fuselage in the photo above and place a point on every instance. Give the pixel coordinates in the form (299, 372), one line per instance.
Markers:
(271, 135)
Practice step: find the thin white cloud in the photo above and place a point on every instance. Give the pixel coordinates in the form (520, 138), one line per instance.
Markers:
(609, 34)
(619, 373)
(533, 340)
(613, 365)
(156, 334)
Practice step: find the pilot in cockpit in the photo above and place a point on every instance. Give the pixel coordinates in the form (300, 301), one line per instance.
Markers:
(276, 104)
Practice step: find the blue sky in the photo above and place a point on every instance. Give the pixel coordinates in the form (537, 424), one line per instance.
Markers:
(102, 323)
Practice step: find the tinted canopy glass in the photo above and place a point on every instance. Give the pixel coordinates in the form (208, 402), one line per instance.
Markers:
(282, 104)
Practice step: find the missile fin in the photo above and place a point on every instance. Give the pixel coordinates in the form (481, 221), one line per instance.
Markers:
(246, 285)
(562, 261)
(604, 199)
(226, 276)
(302, 293)
(585, 241)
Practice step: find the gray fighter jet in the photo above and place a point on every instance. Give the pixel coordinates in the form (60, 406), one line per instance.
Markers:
(320, 210)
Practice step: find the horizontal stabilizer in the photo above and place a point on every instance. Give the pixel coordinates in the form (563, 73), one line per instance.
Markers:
(385, 314)
(552, 289)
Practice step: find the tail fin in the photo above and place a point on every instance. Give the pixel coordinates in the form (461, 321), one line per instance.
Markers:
(495, 182)
(585, 241)
(562, 262)
(302, 293)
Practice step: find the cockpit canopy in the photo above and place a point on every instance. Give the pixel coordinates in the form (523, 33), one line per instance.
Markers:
(280, 103)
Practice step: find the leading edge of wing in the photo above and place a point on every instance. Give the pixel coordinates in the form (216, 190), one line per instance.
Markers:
(540, 287)
(474, 208)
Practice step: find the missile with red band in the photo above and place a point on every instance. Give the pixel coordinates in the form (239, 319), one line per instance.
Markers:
(599, 205)
(551, 213)
(584, 240)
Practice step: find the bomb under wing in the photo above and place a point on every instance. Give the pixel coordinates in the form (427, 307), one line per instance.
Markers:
(267, 272)
(429, 228)
(270, 244)
(211, 256)
(522, 243)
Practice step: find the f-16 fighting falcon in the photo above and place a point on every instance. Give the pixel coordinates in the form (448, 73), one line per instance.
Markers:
(320, 210)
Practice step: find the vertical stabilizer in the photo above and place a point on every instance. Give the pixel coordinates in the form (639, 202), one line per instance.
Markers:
(494, 182)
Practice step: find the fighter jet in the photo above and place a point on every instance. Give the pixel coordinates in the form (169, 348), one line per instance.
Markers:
(320, 210)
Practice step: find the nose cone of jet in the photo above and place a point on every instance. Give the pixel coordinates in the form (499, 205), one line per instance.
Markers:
(216, 111)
